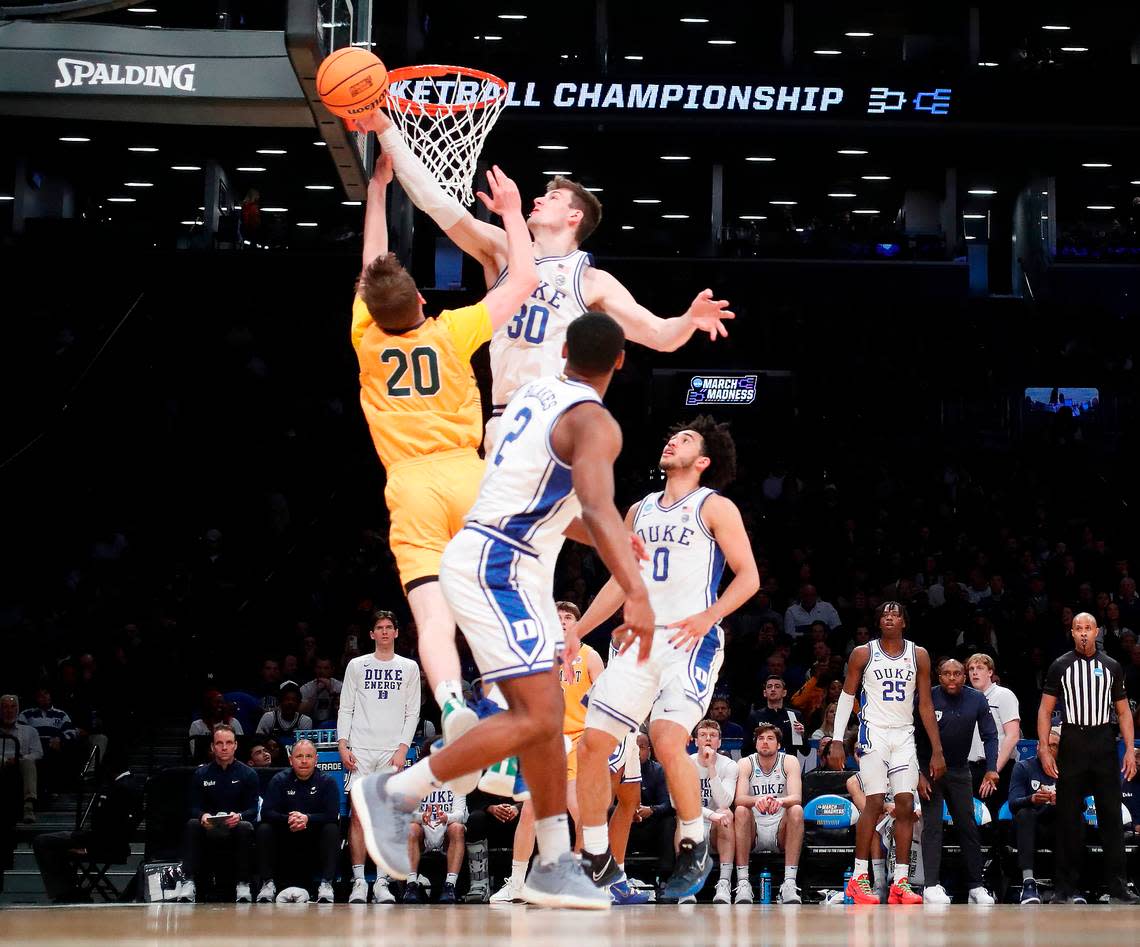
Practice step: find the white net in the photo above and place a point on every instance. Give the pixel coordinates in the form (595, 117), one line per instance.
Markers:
(444, 113)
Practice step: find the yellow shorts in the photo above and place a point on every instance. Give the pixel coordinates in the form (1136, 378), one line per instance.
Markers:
(427, 500)
(572, 756)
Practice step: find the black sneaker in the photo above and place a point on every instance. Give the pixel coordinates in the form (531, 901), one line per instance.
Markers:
(692, 869)
(1123, 896)
(447, 894)
(1080, 899)
(412, 893)
(1029, 893)
(602, 869)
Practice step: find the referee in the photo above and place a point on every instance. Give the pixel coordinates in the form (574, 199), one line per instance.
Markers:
(1089, 684)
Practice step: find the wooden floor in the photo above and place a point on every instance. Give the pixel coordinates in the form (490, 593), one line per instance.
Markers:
(659, 926)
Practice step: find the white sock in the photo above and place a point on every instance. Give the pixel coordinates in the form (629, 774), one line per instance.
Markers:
(790, 872)
(741, 873)
(413, 878)
(861, 867)
(693, 829)
(901, 871)
(357, 872)
(518, 872)
(880, 867)
(596, 838)
(452, 877)
(726, 871)
(415, 781)
(621, 868)
(446, 690)
(553, 836)
(1027, 874)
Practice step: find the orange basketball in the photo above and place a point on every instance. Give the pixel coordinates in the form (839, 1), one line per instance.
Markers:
(352, 82)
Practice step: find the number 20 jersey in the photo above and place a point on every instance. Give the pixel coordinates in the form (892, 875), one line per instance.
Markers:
(685, 564)
(529, 344)
(887, 697)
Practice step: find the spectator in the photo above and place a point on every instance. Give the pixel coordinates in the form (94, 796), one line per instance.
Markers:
(1129, 603)
(720, 710)
(860, 636)
(811, 696)
(287, 718)
(214, 711)
(1007, 719)
(827, 725)
(1033, 804)
(774, 712)
(320, 697)
(829, 773)
(800, 615)
(58, 737)
(20, 747)
(441, 828)
(223, 808)
(259, 756)
(299, 832)
(73, 694)
(654, 822)
(268, 684)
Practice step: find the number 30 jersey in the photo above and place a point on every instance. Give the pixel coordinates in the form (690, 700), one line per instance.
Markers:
(685, 564)
(529, 344)
(887, 697)
(526, 498)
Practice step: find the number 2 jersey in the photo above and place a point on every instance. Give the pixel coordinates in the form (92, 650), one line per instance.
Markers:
(529, 345)
(887, 696)
(417, 387)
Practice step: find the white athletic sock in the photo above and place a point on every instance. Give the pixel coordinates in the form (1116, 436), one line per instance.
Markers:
(860, 867)
(518, 872)
(1027, 874)
(790, 872)
(415, 781)
(413, 878)
(357, 872)
(452, 877)
(726, 871)
(553, 837)
(741, 873)
(880, 869)
(621, 868)
(446, 690)
(596, 838)
(693, 829)
(901, 871)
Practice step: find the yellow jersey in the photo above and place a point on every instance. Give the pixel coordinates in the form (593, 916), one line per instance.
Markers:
(417, 388)
(574, 720)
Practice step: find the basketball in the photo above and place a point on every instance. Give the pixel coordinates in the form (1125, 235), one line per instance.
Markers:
(352, 82)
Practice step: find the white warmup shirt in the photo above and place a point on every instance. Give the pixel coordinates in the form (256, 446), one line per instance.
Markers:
(379, 703)
(718, 784)
(1003, 708)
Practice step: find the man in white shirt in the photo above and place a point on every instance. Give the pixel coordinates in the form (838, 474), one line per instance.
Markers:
(376, 723)
(1007, 719)
(320, 697)
(441, 827)
(717, 774)
(810, 608)
(20, 746)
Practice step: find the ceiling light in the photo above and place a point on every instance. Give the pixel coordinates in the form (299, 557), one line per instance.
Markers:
(558, 172)
(799, 230)
(858, 34)
(1096, 164)
(274, 210)
(1074, 49)
(841, 194)
(626, 227)
(694, 19)
(722, 42)
(491, 38)
(865, 210)
(271, 151)
(553, 147)
(1099, 207)
(321, 144)
(185, 167)
(675, 157)
(352, 203)
(828, 52)
(753, 217)
(191, 223)
(140, 148)
(988, 64)
(759, 158)
(121, 200)
(674, 216)
(646, 200)
(1044, 216)
(1134, 182)
(512, 16)
(6, 197)
(876, 177)
(851, 151)
(982, 191)
(318, 187)
(971, 237)
(138, 184)
(783, 203)
(974, 216)
(594, 190)
(141, 10)
(74, 138)
(306, 223)
(249, 169)
(634, 58)
(1055, 27)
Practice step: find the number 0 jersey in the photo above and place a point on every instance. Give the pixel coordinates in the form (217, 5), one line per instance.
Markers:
(887, 697)
(685, 564)
(529, 345)
(417, 388)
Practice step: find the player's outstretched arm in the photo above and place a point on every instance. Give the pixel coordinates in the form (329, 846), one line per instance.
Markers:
(483, 241)
(926, 712)
(603, 291)
(376, 211)
(505, 300)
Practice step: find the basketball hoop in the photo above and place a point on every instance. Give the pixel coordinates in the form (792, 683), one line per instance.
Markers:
(444, 113)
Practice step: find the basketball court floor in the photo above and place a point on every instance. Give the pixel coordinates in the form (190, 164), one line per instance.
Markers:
(660, 926)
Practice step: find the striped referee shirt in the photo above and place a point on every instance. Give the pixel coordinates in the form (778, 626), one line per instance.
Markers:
(1086, 686)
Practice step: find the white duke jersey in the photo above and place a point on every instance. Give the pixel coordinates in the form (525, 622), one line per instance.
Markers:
(773, 782)
(529, 345)
(452, 804)
(887, 695)
(526, 498)
(379, 703)
(685, 564)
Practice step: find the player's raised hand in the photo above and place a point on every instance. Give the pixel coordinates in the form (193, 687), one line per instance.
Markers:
(504, 197)
(374, 121)
(708, 314)
(637, 626)
(382, 170)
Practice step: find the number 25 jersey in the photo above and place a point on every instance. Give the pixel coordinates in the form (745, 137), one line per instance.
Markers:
(887, 698)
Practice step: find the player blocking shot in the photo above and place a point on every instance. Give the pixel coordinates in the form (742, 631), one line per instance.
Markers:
(690, 532)
(890, 673)
(553, 462)
(419, 397)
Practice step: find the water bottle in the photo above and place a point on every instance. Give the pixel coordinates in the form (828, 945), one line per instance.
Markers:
(847, 899)
(765, 887)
